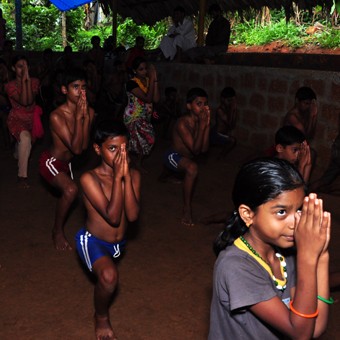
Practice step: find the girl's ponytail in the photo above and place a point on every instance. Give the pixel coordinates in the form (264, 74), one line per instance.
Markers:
(234, 228)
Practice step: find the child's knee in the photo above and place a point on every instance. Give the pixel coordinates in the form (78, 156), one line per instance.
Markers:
(71, 191)
(25, 137)
(192, 169)
(108, 277)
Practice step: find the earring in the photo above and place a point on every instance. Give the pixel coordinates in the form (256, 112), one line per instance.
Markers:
(248, 225)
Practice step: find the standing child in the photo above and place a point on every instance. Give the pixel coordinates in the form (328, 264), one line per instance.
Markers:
(111, 197)
(190, 138)
(70, 125)
(256, 293)
(142, 92)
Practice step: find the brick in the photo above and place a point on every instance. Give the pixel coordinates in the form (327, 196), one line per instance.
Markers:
(276, 104)
(257, 101)
(278, 86)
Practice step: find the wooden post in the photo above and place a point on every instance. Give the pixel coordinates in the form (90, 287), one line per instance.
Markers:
(63, 29)
(114, 10)
(201, 16)
(18, 25)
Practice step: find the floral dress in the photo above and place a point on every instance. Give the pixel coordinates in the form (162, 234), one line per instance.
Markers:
(137, 118)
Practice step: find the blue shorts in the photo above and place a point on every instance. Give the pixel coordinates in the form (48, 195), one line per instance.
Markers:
(171, 160)
(91, 248)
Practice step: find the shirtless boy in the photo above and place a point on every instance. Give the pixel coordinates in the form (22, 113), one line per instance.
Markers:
(190, 137)
(111, 197)
(303, 115)
(70, 125)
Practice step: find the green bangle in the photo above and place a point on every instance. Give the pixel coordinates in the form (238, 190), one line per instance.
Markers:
(329, 302)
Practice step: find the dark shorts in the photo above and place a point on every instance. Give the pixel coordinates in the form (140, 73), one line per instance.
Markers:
(217, 138)
(49, 167)
(171, 160)
(91, 248)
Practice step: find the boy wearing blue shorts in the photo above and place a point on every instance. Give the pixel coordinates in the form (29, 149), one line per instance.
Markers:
(111, 194)
(190, 138)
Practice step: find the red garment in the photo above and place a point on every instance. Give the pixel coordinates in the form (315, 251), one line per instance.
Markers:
(134, 52)
(20, 118)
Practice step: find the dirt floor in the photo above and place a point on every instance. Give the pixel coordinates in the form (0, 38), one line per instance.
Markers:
(165, 275)
(279, 47)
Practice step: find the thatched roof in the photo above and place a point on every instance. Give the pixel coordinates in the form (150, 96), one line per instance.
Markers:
(150, 11)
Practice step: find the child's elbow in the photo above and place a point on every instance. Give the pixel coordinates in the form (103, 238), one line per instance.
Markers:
(115, 222)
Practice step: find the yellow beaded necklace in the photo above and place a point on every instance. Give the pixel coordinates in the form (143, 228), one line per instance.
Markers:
(242, 244)
(141, 85)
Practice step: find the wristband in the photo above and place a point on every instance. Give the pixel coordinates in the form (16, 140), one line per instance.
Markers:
(330, 301)
(306, 316)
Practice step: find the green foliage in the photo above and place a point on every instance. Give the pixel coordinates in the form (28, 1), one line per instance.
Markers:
(42, 28)
(128, 30)
(250, 34)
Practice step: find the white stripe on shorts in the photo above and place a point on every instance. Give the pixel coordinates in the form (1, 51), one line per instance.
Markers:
(172, 161)
(50, 166)
(84, 247)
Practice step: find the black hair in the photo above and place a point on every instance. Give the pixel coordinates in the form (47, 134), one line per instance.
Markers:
(170, 89)
(179, 9)
(139, 38)
(136, 62)
(18, 57)
(214, 8)
(194, 93)
(69, 76)
(109, 128)
(228, 92)
(288, 135)
(305, 93)
(258, 181)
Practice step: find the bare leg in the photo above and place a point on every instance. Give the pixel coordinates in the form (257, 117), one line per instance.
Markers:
(24, 151)
(188, 187)
(69, 193)
(107, 278)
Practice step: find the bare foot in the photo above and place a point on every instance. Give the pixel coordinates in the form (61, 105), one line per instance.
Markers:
(23, 182)
(60, 242)
(187, 220)
(103, 328)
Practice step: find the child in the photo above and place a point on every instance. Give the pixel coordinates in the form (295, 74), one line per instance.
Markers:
(22, 92)
(291, 145)
(225, 121)
(70, 125)
(190, 138)
(304, 113)
(256, 294)
(111, 197)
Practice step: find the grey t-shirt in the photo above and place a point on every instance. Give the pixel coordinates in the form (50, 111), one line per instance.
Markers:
(240, 281)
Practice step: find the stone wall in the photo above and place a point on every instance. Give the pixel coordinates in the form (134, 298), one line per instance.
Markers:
(264, 96)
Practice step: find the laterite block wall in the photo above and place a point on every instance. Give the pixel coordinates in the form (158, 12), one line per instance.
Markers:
(264, 97)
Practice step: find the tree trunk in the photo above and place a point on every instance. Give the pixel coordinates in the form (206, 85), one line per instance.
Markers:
(63, 29)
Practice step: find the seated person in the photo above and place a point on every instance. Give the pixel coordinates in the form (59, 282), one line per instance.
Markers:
(180, 37)
(303, 115)
(217, 38)
(220, 133)
(291, 145)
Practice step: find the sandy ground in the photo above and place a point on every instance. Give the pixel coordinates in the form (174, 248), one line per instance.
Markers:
(165, 275)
